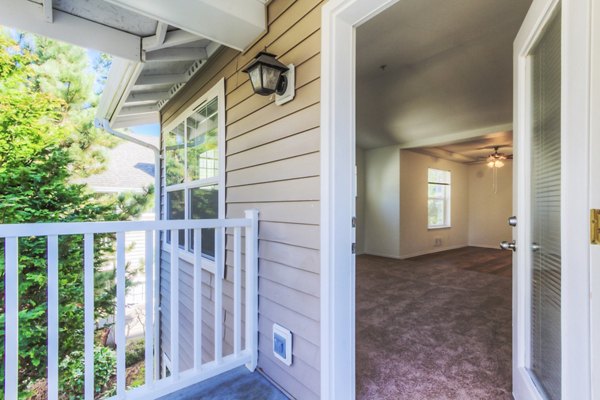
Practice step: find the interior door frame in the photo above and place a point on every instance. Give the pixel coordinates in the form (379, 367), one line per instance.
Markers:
(340, 18)
(575, 163)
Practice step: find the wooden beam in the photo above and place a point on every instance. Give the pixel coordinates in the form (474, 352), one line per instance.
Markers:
(177, 54)
(31, 17)
(169, 79)
(134, 110)
(234, 23)
(48, 12)
(137, 98)
(172, 38)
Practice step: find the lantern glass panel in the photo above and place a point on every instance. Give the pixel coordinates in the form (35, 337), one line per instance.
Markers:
(255, 77)
(270, 78)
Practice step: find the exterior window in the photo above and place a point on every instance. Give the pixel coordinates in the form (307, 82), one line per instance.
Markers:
(438, 199)
(193, 149)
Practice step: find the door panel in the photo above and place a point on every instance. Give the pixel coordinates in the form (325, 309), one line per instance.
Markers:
(551, 296)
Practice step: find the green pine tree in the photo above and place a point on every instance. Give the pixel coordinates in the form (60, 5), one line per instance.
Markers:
(47, 138)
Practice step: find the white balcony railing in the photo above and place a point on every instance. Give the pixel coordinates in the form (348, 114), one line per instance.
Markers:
(155, 385)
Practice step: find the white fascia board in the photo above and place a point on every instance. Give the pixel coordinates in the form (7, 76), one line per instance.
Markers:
(133, 120)
(233, 23)
(31, 17)
(121, 77)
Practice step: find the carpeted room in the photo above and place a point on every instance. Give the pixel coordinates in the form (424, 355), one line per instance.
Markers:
(433, 289)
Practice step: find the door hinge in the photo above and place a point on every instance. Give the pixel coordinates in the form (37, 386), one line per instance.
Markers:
(353, 248)
(354, 222)
(595, 226)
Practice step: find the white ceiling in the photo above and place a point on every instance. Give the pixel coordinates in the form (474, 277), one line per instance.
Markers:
(448, 70)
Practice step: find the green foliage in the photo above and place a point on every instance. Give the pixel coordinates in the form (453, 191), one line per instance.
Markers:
(135, 352)
(72, 378)
(47, 139)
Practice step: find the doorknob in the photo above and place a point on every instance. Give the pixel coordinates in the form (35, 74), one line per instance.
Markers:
(512, 221)
(508, 245)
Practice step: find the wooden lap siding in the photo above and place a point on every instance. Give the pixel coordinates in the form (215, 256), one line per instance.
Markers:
(272, 165)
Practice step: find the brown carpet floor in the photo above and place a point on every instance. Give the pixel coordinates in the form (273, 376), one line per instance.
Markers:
(432, 330)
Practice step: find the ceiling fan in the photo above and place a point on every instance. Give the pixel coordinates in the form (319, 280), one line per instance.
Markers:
(496, 159)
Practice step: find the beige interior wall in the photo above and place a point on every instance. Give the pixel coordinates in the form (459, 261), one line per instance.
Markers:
(360, 200)
(489, 211)
(415, 237)
(382, 202)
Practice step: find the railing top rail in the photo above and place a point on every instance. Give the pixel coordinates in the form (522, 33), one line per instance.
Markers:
(79, 228)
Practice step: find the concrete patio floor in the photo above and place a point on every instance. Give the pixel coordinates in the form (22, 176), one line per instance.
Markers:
(237, 384)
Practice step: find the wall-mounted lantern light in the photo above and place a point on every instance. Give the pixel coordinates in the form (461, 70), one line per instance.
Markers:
(268, 75)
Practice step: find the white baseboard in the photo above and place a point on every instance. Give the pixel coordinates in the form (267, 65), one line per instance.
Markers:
(432, 251)
(375, 253)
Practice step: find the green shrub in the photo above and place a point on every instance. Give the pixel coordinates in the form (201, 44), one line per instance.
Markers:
(72, 372)
(135, 352)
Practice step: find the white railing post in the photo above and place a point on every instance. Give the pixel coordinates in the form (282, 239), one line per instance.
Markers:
(197, 298)
(237, 290)
(149, 317)
(156, 314)
(11, 323)
(52, 317)
(219, 274)
(89, 320)
(174, 323)
(120, 323)
(252, 288)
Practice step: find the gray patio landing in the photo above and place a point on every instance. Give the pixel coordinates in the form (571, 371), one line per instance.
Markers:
(238, 384)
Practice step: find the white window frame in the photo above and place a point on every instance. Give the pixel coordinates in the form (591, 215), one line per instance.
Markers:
(217, 91)
(447, 199)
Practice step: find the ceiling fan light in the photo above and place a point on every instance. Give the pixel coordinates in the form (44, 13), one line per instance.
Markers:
(499, 164)
(490, 164)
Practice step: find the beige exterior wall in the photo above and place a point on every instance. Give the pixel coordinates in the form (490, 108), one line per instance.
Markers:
(273, 164)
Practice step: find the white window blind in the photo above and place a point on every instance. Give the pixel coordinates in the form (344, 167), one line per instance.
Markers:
(545, 211)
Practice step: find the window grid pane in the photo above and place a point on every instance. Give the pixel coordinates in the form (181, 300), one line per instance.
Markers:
(204, 204)
(175, 155)
(176, 210)
(202, 143)
(438, 198)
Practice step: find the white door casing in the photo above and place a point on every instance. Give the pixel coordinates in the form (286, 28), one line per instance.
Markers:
(339, 21)
(594, 178)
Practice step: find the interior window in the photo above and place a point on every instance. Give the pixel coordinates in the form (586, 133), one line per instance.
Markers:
(438, 198)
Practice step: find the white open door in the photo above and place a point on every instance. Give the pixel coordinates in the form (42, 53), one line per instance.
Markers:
(551, 317)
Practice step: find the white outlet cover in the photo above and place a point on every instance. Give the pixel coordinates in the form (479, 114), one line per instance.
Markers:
(287, 336)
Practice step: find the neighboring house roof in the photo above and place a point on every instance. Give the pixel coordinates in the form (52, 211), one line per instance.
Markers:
(130, 168)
